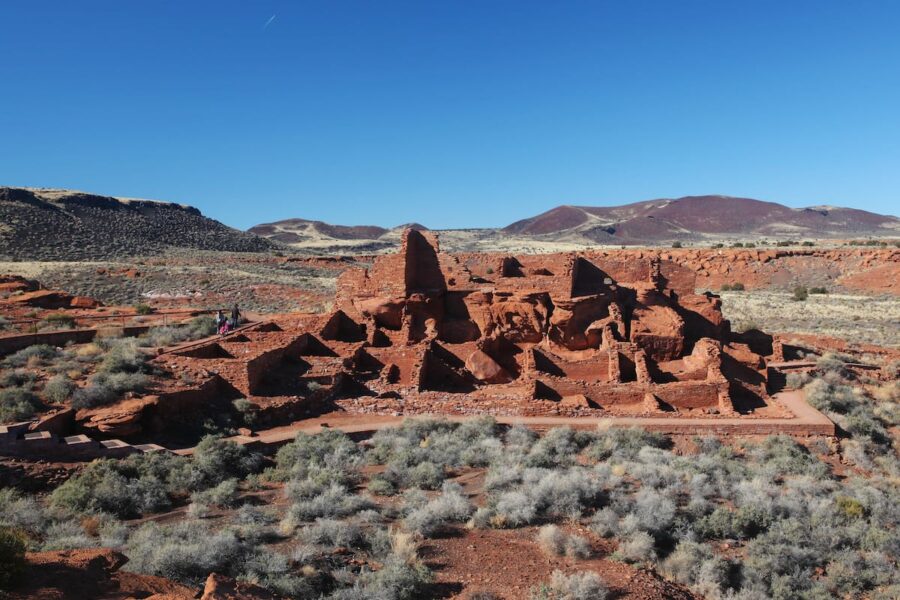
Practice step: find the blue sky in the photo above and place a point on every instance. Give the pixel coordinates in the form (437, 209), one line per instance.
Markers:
(452, 114)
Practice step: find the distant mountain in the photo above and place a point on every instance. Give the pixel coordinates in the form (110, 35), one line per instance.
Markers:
(698, 217)
(316, 233)
(53, 224)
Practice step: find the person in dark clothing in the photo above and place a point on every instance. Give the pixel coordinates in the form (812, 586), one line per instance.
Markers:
(221, 321)
(235, 317)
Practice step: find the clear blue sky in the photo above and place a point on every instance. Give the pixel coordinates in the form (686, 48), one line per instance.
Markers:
(453, 114)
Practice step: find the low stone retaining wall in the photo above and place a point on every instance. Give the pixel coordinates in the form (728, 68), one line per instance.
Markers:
(13, 343)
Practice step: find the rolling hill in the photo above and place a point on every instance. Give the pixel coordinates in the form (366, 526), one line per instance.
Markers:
(692, 218)
(53, 225)
(698, 217)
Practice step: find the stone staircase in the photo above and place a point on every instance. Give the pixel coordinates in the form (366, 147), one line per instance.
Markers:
(17, 440)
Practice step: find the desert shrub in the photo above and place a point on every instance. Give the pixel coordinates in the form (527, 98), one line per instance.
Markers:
(186, 552)
(381, 486)
(638, 547)
(215, 460)
(818, 290)
(66, 535)
(17, 404)
(782, 561)
(696, 566)
(122, 382)
(654, 510)
(781, 455)
(737, 287)
(583, 585)
(450, 506)
(93, 395)
(146, 483)
(224, 494)
(60, 320)
(246, 409)
(330, 453)
(519, 496)
(515, 508)
(797, 380)
(312, 501)
(58, 388)
(421, 451)
(605, 522)
(107, 486)
(334, 534)
(123, 356)
(519, 439)
(800, 294)
(556, 542)
(620, 443)
(106, 388)
(143, 309)
(169, 335)
(746, 522)
(17, 378)
(676, 244)
(557, 447)
(22, 513)
(396, 580)
(87, 353)
(12, 556)
(39, 354)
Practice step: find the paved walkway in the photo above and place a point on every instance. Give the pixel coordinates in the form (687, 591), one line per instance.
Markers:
(807, 421)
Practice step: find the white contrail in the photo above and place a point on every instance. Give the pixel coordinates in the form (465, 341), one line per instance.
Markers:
(269, 22)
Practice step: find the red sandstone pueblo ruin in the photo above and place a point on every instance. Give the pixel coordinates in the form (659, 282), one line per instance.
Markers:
(422, 331)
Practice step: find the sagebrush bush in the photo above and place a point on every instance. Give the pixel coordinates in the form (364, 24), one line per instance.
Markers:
(556, 542)
(422, 451)
(396, 580)
(146, 483)
(170, 335)
(17, 378)
(123, 355)
(637, 547)
(37, 355)
(12, 556)
(621, 443)
(58, 388)
(311, 502)
(450, 506)
(224, 494)
(333, 533)
(17, 404)
(330, 453)
(93, 395)
(696, 566)
(583, 585)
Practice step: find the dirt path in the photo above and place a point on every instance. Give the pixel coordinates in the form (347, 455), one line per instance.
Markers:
(807, 421)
